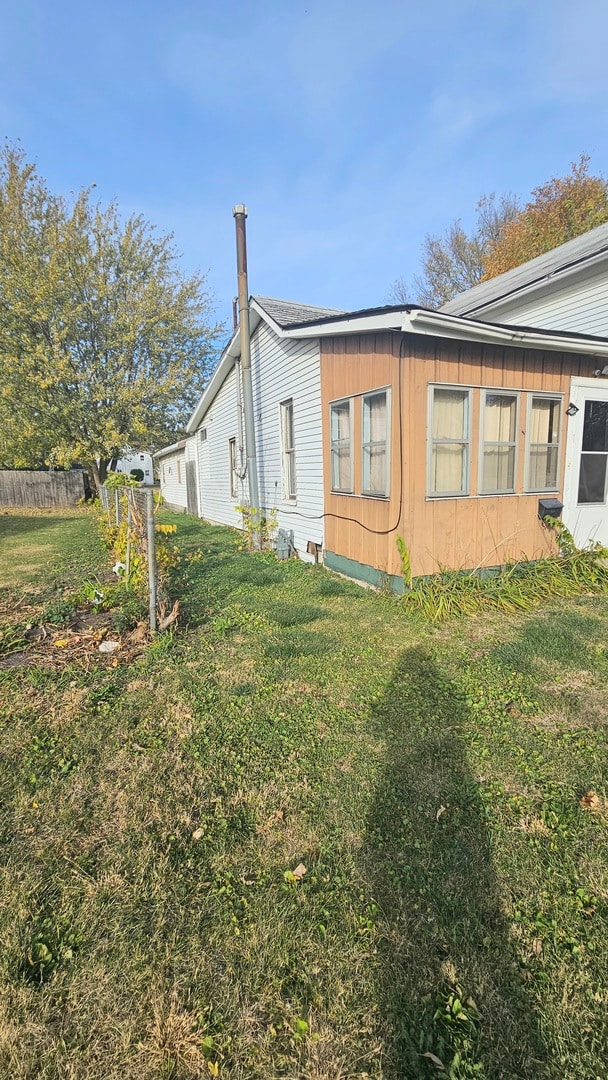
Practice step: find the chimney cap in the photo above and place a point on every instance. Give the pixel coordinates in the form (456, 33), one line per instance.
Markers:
(240, 208)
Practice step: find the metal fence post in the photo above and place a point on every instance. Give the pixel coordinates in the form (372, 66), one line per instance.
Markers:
(117, 506)
(128, 554)
(151, 559)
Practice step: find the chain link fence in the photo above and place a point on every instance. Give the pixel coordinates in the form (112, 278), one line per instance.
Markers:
(136, 507)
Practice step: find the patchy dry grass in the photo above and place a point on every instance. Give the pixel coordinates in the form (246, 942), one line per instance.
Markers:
(445, 791)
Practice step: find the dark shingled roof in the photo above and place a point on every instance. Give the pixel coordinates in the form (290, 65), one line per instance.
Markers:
(287, 312)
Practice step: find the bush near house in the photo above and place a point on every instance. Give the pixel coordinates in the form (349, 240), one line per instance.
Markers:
(309, 836)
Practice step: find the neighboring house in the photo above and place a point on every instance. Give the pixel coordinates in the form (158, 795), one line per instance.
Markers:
(176, 465)
(287, 409)
(448, 432)
(132, 461)
(565, 289)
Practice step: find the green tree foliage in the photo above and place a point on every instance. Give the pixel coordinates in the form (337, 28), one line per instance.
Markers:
(454, 261)
(559, 210)
(507, 235)
(103, 342)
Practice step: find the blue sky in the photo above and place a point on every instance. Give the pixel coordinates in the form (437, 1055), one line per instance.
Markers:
(349, 129)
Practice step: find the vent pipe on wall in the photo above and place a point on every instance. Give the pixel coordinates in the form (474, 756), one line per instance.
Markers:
(240, 213)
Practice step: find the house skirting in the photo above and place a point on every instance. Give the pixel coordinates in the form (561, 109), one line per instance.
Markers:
(362, 572)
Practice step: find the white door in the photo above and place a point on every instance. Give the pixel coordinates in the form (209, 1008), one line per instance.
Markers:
(586, 479)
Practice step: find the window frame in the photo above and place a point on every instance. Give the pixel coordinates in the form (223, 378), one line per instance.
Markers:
(288, 453)
(387, 443)
(466, 442)
(232, 465)
(350, 401)
(179, 471)
(532, 396)
(497, 392)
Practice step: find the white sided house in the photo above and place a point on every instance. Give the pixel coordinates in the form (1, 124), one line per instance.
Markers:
(177, 469)
(564, 289)
(285, 368)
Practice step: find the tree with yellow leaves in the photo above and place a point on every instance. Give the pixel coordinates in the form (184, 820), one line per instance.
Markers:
(104, 343)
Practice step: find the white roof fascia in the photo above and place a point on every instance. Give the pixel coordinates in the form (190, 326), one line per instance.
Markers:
(263, 314)
(181, 445)
(437, 324)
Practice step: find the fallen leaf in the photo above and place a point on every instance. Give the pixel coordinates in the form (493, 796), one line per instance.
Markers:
(537, 946)
(196, 835)
(441, 810)
(437, 1062)
(590, 801)
(299, 871)
(61, 643)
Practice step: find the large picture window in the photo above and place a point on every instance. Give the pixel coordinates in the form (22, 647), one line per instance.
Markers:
(288, 450)
(449, 454)
(543, 430)
(499, 456)
(375, 443)
(341, 431)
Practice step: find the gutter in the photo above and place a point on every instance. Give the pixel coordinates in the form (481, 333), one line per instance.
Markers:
(455, 326)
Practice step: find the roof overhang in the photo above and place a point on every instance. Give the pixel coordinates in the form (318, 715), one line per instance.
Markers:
(173, 449)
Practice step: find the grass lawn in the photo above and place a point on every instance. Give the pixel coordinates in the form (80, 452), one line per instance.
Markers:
(308, 836)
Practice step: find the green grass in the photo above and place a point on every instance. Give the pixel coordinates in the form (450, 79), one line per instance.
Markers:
(33, 541)
(455, 900)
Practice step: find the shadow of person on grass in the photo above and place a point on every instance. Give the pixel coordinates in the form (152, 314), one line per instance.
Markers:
(451, 994)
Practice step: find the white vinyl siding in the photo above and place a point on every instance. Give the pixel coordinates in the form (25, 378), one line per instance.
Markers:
(449, 456)
(543, 431)
(173, 479)
(499, 449)
(282, 369)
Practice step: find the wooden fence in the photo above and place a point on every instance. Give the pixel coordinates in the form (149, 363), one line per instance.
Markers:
(44, 489)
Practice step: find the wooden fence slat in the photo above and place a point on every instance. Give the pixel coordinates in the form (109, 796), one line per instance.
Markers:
(41, 489)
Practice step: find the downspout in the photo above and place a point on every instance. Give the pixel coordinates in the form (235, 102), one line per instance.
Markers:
(240, 213)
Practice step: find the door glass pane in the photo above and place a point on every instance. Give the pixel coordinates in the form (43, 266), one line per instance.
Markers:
(595, 427)
(592, 477)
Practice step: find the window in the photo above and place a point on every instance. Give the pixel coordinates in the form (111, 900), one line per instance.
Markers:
(450, 427)
(234, 477)
(375, 424)
(544, 420)
(179, 472)
(288, 451)
(341, 428)
(203, 435)
(499, 443)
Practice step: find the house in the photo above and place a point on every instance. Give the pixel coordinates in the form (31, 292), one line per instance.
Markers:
(455, 434)
(565, 289)
(448, 432)
(173, 466)
(134, 463)
(286, 377)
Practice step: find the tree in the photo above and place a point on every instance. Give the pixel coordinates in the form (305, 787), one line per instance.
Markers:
(454, 261)
(103, 342)
(561, 209)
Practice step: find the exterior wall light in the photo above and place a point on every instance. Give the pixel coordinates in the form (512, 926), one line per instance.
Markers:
(572, 409)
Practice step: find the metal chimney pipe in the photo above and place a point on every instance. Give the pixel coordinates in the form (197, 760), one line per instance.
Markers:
(240, 213)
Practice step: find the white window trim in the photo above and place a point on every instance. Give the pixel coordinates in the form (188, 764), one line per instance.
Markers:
(350, 401)
(551, 397)
(370, 394)
(466, 491)
(287, 496)
(482, 413)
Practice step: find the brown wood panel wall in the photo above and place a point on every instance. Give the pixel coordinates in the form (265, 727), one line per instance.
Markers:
(463, 532)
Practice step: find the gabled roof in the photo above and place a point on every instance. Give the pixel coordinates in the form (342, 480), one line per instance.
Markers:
(288, 312)
(571, 257)
(407, 319)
